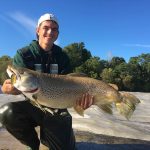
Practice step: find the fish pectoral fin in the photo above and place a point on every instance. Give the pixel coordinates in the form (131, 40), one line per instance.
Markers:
(107, 108)
(79, 110)
(34, 102)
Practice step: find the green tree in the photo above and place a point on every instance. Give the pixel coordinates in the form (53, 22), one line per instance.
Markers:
(135, 70)
(77, 53)
(144, 60)
(92, 67)
(128, 83)
(115, 61)
(108, 75)
(4, 62)
(140, 70)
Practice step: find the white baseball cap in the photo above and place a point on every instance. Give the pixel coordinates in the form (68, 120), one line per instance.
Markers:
(45, 17)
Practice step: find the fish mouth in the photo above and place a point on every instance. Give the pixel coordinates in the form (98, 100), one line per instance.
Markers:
(22, 80)
(13, 74)
(31, 91)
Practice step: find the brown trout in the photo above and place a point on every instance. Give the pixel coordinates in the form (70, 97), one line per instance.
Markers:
(62, 91)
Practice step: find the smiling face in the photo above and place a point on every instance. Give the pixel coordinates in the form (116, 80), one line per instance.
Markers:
(47, 34)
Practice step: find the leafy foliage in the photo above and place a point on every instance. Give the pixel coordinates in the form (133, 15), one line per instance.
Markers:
(4, 62)
(115, 61)
(131, 76)
(77, 54)
(92, 67)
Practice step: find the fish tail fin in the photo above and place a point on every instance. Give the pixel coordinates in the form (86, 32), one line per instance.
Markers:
(128, 104)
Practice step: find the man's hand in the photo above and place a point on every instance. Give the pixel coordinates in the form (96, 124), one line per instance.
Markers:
(85, 101)
(8, 88)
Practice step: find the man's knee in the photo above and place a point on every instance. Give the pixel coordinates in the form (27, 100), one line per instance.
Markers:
(6, 113)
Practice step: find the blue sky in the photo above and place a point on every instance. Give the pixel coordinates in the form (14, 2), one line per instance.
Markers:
(107, 27)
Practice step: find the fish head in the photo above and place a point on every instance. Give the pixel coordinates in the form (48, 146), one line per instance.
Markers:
(23, 79)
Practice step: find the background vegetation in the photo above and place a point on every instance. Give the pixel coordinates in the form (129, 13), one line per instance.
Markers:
(4, 62)
(128, 76)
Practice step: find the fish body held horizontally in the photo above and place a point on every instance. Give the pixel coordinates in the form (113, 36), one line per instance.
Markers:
(62, 91)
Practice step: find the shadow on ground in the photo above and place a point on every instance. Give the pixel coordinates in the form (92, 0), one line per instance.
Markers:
(93, 146)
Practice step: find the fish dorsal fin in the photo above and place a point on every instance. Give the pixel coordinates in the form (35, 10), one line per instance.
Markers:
(77, 75)
(114, 86)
